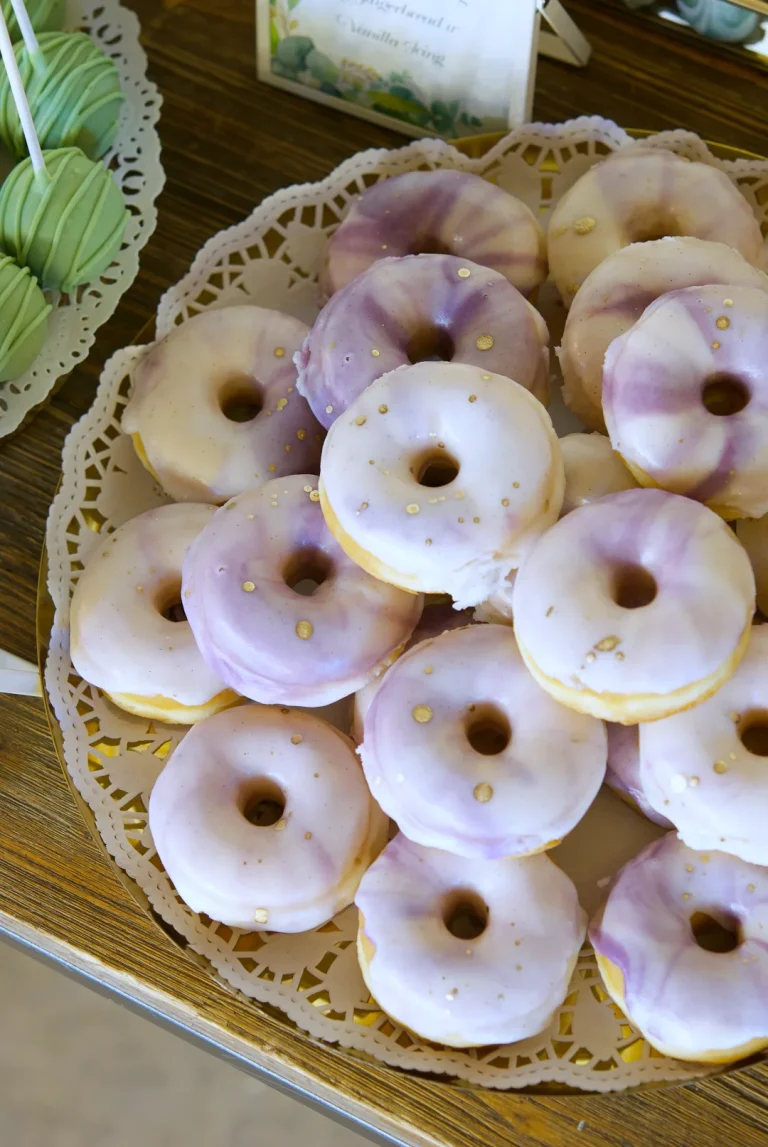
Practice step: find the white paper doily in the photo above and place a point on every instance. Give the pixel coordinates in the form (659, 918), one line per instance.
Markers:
(273, 258)
(135, 163)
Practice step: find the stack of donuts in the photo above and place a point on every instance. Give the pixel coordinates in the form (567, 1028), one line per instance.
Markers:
(378, 508)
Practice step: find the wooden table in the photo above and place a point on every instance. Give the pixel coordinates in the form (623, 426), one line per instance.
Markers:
(229, 141)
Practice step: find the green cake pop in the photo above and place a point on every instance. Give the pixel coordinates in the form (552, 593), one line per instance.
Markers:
(66, 222)
(73, 91)
(23, 319)
(44, 16)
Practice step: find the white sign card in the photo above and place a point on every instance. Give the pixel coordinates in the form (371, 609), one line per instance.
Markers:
(428, 67)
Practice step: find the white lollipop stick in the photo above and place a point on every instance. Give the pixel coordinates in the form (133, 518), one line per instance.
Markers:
(20, 99)
(18, 676)
(25, 26)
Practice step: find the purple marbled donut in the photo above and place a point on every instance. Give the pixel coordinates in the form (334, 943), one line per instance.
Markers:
(655, 941)
(450, 212)
(685, 396)
(402, 311)
(272, 642)
(623, 772)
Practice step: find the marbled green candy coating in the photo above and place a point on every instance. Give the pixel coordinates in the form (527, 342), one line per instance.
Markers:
(45, 16)
(66, 227)
(73, 90)
(23, 314)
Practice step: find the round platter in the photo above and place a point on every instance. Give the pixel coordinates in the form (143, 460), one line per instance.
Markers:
(112, 759)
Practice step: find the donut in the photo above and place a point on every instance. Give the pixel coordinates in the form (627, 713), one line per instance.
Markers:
(262, 819)
(278, 609)
(402, 311)
(634, 607)
(215, 410)
(705, 769)
(439, 476)
(497, 609)
(467, 952)
(685, 396)
(438, 212)
(438, 617)
(640, 195)
(592, 470)
(753, 535)
(617, 292)
(128, 634)
(623, 772)
(681, 946)
(469, 755)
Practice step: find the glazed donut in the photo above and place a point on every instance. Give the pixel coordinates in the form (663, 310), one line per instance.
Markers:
(635, 607)
(467, 952)
(215, 410)
(444, 212)
(617, 292)
(497, 609)
(705, 769)
(685, 396)
(439, 476)
(402, 311)
(128, 636)
(680, 944)
(468, 754)
(643, 194)
(623, 772)
(592, 470)
(274, 643)
(263, 821)
(753, 535)
(438, 617)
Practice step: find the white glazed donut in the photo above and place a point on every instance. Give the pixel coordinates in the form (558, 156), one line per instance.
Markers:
(706, 769)
(592, 470)
(467, 952)
(685, 397)
(681, 946)
(634, 607)
(753, 535)
(617, 292)
(623, 772)
(215, 409)
(439, 476)
(262, 819)
(641, 194)
(468, 754)
(127, 634)
(243, 584)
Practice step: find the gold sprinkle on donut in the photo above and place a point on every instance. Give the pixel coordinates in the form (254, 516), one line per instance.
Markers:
(280, 824)
(715, 345)
(686, 896)
(720, 767)
(427, 669)
(360, 420)
(459, 495)
(590, 657)
(693, 781)
(608, 644)
(482, 792)
(722, 323)
(383, 246)
(750, 888)
(282, 403)
(307, 835)
(329, 409)
(461, 520)
(304, 630)
(139, 589)
(427, 541)
(463, 272)
(363, 505)
(279, 352)
(704, 858)
(505, 501)
(412, 508)
(727, 302)
(301, 435)
(383, 408)
(287, 448)
(476, 521)
(272, 468)
(484, 342)
(248, 587)
(307, 489)
(473, 398)
(584, 225)
(375, 352)
(516, 485)
(422, 714)
(619, 656)
(260, 916)
(689, 868)
(296, 739)
(485, 377)
(314, 496)
(572, 289)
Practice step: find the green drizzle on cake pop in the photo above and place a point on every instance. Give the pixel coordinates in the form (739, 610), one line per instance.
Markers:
(74, 95)
(67, 223)
(23, 319)
(44, 15)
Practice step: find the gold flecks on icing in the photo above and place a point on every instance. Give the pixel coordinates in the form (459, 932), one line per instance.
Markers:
(296, 739)
(463, 272)
(248, 587)
(693, 781)
(460, 520)
(607, 644)
(720, 767)
(715, 345)
(280, 824)
(722, 323)
(750, 888)
(427, 541)
(139, 589)
(412, 508)
(301, 435)
(307, 489)
(473, 398)
(329, 409)
(314, 496)
(279, 352)
(427, 669)
(619, 656)
(590, 657)
(482, 792)
(476, 521)
(383, 408)
(287, 448)
(485, 377)
(585, 225)
(484, 342)
(360, 420)
(422, 714)
(375, 352)
(304, 630)
(516, 485)
(505, 501)
(307, 835)
(260, 916)
(686, 896)
(272, 468)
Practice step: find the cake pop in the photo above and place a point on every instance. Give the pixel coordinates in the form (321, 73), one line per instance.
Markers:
(44, 16)
(23, 319)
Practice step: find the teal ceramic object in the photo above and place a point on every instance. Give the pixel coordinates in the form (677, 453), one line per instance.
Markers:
(719, 20)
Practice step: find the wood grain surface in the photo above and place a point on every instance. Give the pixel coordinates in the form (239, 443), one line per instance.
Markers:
(228, 141)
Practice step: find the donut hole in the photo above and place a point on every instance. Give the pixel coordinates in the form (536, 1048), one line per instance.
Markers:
(633, 587)
(716, 933)
(263, 803)
(487, 729)
(168, 603)
(306, 570)
(241, 398)
(430, 344)
(429, 245)
(647, 226)
(436, 468)
(465, 914)
(753, 731)
(724, 394)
